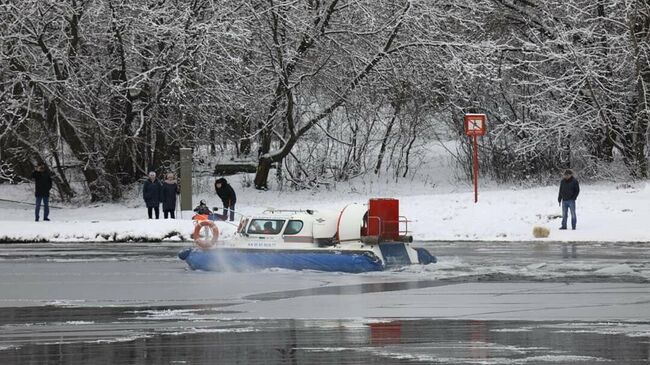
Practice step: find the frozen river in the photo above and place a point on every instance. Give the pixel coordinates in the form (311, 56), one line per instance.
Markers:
(496, 303)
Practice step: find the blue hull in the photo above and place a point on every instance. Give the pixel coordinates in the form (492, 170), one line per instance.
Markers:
(244, 260)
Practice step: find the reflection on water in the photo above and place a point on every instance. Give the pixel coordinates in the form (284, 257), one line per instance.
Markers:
(354, 289)
(565, 251)
(195, 335)
(203, 334)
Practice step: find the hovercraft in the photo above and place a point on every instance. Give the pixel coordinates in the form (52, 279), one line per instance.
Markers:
(359, 238)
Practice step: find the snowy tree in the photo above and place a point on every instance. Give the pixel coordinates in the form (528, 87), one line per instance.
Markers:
(326, 90)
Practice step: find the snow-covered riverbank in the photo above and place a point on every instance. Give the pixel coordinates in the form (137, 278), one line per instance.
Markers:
(606, 213)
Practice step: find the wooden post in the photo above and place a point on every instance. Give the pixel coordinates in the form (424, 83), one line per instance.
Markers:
(474, 127)
(186, 179)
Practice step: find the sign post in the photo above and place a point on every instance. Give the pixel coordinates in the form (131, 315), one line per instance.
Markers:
(474, 127)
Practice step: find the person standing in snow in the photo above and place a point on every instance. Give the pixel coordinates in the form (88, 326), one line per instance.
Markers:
(228, 198)
(169, 192)
(152, 194)
(569, 190)
(43, 184)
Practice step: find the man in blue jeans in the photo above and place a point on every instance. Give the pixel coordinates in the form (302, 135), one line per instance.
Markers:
(569, 190)
(43, 182)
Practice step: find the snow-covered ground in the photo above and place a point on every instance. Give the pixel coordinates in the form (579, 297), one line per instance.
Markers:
(606, 213)
(441, 206)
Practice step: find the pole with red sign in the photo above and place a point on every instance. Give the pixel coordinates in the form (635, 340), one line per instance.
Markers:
(475, 167)
(474, 127)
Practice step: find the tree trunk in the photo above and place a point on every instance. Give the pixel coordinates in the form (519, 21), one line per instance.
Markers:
(640, 26)
(639, 137)
(408, 153)
(244, 147)
(102, 187)
(384, 142)
(262, 174)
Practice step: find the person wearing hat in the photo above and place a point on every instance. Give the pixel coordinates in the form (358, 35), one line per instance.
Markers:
(569, 190)
(202, 208)
(43, 184)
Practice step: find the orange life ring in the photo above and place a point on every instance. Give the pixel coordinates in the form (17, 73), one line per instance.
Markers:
(201, 242)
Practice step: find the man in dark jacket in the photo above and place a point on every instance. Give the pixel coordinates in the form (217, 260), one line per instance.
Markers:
(569, 190)
(168, 195)
(43, 181)
(228, 197)
(152, 194)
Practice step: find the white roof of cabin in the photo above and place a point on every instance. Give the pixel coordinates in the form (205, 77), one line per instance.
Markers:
(323, 224)
(286, 215)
